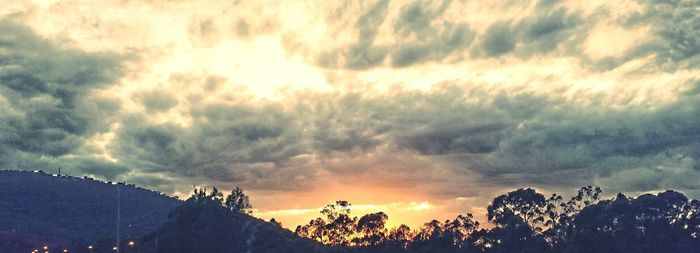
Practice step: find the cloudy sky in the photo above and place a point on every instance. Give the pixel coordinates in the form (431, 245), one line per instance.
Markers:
(422, 109)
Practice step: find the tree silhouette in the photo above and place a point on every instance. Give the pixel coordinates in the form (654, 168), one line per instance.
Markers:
(519, 207)
(339, 225)
(275, 222)
(524, 221)
(519, 217)
(460, 228)
(401, 236)
(559, 215)
(217, 196)
(648, 223)
(238, 201)
(371, 229)
(315, 230)
(203, 224)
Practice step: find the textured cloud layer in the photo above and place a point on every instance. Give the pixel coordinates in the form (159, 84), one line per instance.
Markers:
(47, 108)
(441, 100)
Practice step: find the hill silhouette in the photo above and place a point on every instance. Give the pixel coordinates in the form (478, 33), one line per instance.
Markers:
(64, 212)
(70, 213)
(203, 224)
(43, 209)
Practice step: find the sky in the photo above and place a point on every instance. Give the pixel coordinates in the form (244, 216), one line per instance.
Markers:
(420, 109)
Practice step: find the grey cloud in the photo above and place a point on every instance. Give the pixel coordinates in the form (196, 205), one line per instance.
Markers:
(446, 125)
(416, 17)
(506, 139)
(498, 39)
(157, 100)
(522, 139)
(540, 33)
(644, 179)
(46, 112)
(546, 3)
(153, 182)
(675, 41)
(439, 45)
(543, 33)
(340, 124)
(597, 143)
(676, 22)
(222, 141)
(364, 53)
(551, 29)
(108, 170)
(417, 40)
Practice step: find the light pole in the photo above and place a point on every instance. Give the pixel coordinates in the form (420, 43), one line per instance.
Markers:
(118, 215)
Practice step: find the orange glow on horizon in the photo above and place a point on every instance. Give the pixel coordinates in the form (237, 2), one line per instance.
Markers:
(402, 207)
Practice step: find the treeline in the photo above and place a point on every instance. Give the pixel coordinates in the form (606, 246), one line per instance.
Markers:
(526, 221)
(522, 220)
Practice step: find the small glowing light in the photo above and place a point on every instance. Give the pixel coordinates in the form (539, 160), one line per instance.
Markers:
(114, 248)
(131, 243)
(46, 247)
(65, 250)
(89, 246)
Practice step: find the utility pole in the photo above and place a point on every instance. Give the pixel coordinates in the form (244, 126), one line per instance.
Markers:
(118, 215)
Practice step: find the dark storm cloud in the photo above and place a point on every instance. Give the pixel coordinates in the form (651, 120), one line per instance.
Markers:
(45, 111)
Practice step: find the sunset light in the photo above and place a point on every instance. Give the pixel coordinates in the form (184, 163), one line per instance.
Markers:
(363, 126)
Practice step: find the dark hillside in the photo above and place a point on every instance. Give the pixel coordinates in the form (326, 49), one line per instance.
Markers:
(41, 208)
(205, 225)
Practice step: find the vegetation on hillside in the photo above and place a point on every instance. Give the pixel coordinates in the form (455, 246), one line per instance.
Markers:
(522, 220)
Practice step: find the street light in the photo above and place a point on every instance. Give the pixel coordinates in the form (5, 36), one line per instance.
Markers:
(147, 228)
